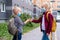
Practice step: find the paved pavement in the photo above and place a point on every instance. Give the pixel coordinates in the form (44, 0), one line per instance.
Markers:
(36, 34)
(58, 31)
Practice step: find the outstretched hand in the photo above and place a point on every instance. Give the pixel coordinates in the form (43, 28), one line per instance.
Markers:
(28, 20)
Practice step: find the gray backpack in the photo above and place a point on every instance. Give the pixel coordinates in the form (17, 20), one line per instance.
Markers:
(12, 29)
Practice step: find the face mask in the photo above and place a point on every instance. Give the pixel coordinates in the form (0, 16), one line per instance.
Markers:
(19, 14)
(43, 10)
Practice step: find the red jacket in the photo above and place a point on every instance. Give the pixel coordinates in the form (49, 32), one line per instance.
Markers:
(48, 23)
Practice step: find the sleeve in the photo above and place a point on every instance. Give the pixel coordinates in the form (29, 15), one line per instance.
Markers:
(20, 21)
(50, 23)
(37, 21)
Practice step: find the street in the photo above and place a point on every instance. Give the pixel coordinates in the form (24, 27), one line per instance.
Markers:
(36, 34)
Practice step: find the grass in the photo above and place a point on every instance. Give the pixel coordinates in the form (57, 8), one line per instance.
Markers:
(27, 28)
(4, 32)
(6, 36)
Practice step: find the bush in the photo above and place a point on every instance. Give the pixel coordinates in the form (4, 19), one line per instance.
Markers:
(4, 35)
(28, 27)
(24, 17)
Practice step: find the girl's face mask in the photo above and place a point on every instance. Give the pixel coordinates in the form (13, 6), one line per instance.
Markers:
(43, 10)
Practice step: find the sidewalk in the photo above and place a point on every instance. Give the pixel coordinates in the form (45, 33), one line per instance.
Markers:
(58, 31)
(36, 34)
(33, 35)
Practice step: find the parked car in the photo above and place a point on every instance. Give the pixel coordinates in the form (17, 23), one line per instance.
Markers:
(58, 16)
(54, 13)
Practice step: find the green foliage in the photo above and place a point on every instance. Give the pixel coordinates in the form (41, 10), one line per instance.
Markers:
(24, 17)
(28, 27)
(4, 32)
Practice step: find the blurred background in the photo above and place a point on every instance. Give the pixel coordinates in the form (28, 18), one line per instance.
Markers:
(30, 9)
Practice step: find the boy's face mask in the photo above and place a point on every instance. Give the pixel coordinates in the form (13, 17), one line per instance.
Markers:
(19, 14)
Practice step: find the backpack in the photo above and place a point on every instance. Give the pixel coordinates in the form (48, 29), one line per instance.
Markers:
(12, 29)
(54, 25)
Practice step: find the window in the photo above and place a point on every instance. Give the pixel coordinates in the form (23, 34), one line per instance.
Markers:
(3, 7)
(37, 3)
(58, 4)
(16, 5)
(22, 9)
(52, 0)
(30, 2)
(27, 1)
(22, 0)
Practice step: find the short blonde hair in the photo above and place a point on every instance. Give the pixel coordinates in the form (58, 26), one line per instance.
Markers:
(15, 10)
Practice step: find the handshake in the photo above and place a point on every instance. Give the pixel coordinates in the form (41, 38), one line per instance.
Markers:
(28, 20)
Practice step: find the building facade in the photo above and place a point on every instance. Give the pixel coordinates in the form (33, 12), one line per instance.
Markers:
(27, 6)
(7, 5)
(54, 3)
(5, 9)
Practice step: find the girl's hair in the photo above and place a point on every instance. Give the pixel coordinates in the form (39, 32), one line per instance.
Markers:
(49, 5)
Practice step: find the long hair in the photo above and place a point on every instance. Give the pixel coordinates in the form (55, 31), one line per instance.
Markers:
(49, 6)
